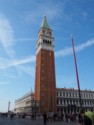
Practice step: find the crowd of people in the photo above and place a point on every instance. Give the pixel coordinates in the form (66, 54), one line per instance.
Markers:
(12, 115)
(81, 118)
(59, 116)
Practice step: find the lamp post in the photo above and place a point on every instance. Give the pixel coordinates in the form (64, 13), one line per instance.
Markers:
(31, 102)
(34, 108)
(78, 83)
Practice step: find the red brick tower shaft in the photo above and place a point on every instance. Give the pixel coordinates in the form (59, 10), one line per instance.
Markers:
(45, 83)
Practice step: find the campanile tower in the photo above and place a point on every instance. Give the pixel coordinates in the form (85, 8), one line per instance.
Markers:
(45, 83)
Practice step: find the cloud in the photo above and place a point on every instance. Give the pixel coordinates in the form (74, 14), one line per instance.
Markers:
(19, 64)
(51, 9)
(24, 39)
(7, 40)
(10, 63)
(63, 52)
(9, 75)
(69, 51)
(6, 35)
(27, 69)
(69, 14)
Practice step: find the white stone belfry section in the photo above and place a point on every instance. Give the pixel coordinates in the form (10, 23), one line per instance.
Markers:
(45, 39)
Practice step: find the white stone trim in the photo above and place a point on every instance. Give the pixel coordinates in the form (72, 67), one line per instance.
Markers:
(46, 47)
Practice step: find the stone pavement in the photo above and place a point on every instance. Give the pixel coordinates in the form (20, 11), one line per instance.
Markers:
(17, 121)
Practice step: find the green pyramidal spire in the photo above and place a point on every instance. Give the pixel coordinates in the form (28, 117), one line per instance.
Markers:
(45, 23)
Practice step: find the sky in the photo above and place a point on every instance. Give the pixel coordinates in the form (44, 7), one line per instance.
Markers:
(20, 22)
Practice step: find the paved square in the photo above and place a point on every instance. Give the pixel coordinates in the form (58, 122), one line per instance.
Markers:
(28, 121)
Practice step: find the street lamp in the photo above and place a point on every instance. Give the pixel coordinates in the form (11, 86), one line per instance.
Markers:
(34, 108)
(31, 101)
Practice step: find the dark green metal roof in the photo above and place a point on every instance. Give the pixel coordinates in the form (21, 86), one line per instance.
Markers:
(45, 23)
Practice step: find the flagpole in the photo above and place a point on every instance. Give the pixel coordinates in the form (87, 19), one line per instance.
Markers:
(77, 77)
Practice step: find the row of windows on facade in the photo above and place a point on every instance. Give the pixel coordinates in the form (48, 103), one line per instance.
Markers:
(74, 102)
(27, 109)
(84, 95)
(47, 41)
(27, 104)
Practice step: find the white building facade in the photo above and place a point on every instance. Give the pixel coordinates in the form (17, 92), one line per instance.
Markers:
(68, 100)
(26, 104)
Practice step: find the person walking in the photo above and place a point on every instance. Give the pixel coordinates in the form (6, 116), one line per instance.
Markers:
(45, 118)
(83, 119)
